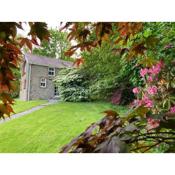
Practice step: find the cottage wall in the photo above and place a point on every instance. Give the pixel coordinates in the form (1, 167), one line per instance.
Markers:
(33, 69)
(24, 81)
(37, 92)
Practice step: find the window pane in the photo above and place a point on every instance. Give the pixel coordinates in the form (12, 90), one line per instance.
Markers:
(43, 82)
(51, 71)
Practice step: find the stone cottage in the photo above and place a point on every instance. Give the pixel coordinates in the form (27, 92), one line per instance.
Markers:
(37, 74)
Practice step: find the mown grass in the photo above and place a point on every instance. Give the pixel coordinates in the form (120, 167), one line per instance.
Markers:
(21, 106)
(48, 129)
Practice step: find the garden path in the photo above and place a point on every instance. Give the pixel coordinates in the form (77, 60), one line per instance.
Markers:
(52, 101)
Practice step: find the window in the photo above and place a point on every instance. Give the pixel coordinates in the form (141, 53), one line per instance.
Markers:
(43, 82)
(51, 71)
(56, 91)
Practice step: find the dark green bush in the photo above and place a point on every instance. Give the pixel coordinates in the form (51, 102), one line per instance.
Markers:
(101, 89)
(101, 65)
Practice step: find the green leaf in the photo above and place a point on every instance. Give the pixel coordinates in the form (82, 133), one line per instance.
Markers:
(147, 33)
(137, 112)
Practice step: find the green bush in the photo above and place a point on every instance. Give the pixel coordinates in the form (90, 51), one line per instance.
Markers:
(129, 73)
(128, 77)
(101, 65)
(102, 88)
(99, 78)
(72, 85)
(109, 72)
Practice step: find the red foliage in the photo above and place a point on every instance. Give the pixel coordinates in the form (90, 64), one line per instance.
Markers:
(79, 61)
(10, 53)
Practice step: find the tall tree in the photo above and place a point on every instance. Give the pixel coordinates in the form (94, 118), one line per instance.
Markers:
(55, 47)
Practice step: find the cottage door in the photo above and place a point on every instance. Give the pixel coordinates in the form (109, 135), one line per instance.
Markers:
(56, 91)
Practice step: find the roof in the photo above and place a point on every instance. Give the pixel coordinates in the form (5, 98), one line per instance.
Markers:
(46, 61)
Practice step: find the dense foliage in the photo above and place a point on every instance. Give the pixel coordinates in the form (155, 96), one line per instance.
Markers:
(72, 85)
(101, 66)
(126, 79)
(110, 74)
(107, 75)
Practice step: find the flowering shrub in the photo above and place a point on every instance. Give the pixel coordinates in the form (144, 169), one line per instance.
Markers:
(157, 94)
(72, 85)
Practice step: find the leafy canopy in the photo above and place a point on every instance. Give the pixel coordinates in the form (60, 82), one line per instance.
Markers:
(55, 47)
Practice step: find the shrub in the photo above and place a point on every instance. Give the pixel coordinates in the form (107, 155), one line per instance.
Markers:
(126, 79)
(101, 64)
(158, 94)
(101, 88)
(72, 85)
(100, 77)
(109, 73)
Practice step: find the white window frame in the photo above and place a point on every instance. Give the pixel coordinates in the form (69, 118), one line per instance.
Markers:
(43, 82)
(51, 71)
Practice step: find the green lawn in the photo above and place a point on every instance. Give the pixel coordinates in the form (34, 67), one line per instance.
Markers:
(48, 129)
(21, 106)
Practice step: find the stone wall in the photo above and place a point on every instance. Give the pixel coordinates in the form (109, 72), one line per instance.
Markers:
(37, 92)
(24, 82)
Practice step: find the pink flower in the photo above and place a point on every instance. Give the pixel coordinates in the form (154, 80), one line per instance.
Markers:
(136, 90)
(147, 102)
(172, 109)
(150, 79)
(143, 72)
(138, 102)
(152, 123)
(152, 90)
(156, 68)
